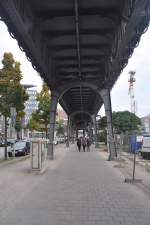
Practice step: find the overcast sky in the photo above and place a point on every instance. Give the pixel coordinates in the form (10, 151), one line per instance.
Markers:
(140, 62)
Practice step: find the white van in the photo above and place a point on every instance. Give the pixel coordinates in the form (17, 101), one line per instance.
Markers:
(145, 151)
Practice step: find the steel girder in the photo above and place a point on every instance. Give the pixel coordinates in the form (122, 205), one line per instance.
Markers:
(77, 42)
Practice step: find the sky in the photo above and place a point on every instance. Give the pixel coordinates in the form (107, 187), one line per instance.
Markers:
(140, 62)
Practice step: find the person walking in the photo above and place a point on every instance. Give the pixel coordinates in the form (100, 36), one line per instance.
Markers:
(84, 143)
(79, 144)
(88, 143)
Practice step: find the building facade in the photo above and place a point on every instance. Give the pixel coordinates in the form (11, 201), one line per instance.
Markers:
(31, 105)
(61, 115)
(145, 121)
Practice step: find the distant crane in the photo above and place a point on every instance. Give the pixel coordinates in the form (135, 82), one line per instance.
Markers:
(131, 91)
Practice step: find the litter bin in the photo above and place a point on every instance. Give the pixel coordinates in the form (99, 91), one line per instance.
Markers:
(38, 156)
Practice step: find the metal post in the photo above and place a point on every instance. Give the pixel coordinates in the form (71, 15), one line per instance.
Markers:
(54, 101)
(134, 161)
(133, 179)
(68, 133)
(5, 153)
(105, 94)
(121, 145)
(72, 135)
(95, 130)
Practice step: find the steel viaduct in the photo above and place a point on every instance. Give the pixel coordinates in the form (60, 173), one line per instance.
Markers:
(79, 48)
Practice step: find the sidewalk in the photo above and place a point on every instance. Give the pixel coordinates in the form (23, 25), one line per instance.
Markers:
(142, 170)
(79, 188)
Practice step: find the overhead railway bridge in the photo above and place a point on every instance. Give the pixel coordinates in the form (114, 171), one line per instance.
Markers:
(79, 48)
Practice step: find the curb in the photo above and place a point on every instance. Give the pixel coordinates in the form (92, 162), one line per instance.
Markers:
(147, 167)
(12, 161)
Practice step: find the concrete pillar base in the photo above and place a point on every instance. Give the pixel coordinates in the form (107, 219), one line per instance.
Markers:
(105, 94)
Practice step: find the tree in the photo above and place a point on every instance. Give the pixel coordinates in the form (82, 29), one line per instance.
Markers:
(102, 123)
(33, 124)
(60, 127)
(18, 127)
(42, 114)
(19, 98)
(18, 124)
(12, 93)
(122, 122)
(125, 121)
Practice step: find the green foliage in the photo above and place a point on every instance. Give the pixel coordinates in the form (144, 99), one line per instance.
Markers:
(12, 94)
(102, 123)
(125, 121)
(19, 97)
(102, 136)
(60, 127)
(42, 114)
(18, 125)
(122, 122)
(33, 124)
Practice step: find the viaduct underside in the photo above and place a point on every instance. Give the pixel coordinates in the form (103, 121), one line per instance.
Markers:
(79, 48)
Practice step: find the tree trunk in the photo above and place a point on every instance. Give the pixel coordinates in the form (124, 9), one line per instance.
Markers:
(46, 131)
(18, 136)
(5, 153)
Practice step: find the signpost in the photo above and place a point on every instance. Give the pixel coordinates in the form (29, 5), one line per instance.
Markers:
(133, 179)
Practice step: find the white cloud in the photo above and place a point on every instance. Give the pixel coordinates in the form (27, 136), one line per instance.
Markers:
(140, 63)
(8, 44)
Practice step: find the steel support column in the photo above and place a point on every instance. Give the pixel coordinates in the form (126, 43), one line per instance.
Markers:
(105, 94)
(71, 132)
(95, 130)
(72, 135)
(76, 133)
(90, 130)
(54, 101)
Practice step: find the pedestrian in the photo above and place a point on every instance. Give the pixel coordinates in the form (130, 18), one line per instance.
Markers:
(88, 143)
(84, 143)
(79, 144)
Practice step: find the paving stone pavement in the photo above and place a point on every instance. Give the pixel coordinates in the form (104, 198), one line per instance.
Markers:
(77, 189)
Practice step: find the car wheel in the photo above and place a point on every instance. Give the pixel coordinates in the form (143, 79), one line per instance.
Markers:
(10, 154)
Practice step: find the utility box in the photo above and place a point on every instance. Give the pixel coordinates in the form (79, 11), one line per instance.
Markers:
(38, 156)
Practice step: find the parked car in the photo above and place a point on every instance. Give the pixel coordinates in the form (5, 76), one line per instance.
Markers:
(10, 142)
(61, 139)
(145, 150)
(2, 143)
(20, 148)
(55, 141)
